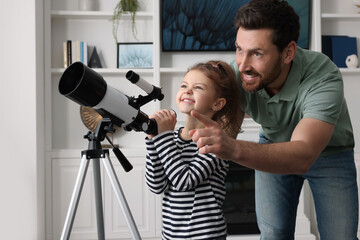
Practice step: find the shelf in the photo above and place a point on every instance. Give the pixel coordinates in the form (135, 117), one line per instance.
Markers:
(108, 71)
(339, 16)
(106, 15)
(183, 70)
(173, 70)
(350, 70)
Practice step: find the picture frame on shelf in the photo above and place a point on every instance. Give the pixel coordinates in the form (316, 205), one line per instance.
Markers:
(135, 55)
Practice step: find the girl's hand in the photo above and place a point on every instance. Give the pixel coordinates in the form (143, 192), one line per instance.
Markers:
(165, 120)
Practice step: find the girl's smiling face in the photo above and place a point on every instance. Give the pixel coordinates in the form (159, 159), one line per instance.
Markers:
(197, 92)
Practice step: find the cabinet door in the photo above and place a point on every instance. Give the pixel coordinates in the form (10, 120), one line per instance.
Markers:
(141, 202)
(64, 173)
(143, 205)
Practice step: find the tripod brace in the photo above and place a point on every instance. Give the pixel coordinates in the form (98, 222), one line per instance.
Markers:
(96, 153)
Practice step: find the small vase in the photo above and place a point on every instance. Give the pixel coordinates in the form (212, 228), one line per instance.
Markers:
(88, 5)
(352, 61)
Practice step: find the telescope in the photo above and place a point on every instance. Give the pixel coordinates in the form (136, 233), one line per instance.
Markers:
(88, 88)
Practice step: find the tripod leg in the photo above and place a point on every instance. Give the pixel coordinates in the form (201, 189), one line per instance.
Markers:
(74, 202)
(121, 198)
(98, 200)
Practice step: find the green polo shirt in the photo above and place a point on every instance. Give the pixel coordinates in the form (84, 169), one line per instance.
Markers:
(313, 89)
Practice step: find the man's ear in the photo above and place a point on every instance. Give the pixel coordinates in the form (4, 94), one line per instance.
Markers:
(289, 52)
(219, 104)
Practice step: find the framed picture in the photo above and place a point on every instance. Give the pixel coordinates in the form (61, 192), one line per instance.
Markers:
(135, 55)
(208, 25)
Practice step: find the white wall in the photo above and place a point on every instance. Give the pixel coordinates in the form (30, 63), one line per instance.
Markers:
(21, 171)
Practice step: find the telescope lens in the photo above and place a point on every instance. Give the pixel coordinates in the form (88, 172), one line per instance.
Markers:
(70, 79)
(82, 85)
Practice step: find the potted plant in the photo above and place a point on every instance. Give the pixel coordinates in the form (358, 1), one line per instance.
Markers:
(123, 6)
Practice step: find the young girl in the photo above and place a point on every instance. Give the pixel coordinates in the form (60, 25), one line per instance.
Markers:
(193, 183)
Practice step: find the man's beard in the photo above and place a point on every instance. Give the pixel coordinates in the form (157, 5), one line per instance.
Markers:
(263, 82)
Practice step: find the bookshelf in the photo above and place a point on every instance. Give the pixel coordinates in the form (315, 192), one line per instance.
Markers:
(64, 129)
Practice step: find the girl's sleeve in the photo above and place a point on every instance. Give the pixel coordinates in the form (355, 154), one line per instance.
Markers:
(155, 174)
(185, 168)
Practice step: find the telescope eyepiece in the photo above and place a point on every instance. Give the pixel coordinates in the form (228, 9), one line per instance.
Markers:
(132, 76)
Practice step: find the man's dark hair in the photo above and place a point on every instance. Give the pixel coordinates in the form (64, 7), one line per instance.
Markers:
(277, 15)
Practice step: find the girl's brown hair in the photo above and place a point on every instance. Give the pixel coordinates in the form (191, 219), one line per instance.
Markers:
(231, 116)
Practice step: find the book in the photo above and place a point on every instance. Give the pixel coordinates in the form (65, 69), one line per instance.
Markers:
(82, 51)
(65, 55)
(85, 49)
(338, 48)
(75, 51)
(68, 52)
(342, 47)
(326, 46)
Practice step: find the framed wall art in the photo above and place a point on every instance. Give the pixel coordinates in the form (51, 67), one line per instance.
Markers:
(207, 25)
(135, 55)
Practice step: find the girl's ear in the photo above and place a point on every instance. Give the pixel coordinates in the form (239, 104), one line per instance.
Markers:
(219, 104)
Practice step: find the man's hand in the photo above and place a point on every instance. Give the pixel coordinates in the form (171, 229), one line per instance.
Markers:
(212, 139)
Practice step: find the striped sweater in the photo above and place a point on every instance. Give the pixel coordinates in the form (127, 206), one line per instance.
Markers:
(193, 187)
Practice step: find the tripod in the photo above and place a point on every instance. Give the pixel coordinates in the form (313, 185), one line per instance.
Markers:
(95, 153)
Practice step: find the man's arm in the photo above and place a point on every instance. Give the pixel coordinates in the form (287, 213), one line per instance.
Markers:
(308, 140)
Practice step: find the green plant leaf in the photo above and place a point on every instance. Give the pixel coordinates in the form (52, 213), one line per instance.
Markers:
(121, 7)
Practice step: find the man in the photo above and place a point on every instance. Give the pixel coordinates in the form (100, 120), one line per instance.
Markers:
(297, 97)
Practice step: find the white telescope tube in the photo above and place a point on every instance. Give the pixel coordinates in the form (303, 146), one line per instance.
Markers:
(117, 104)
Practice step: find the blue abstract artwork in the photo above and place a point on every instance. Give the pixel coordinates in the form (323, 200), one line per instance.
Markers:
(207, 25)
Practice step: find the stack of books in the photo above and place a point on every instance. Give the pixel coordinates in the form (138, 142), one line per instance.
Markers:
(338, 48)
(75, 51)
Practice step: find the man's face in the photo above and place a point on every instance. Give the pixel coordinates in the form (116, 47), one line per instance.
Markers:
(259, 61)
